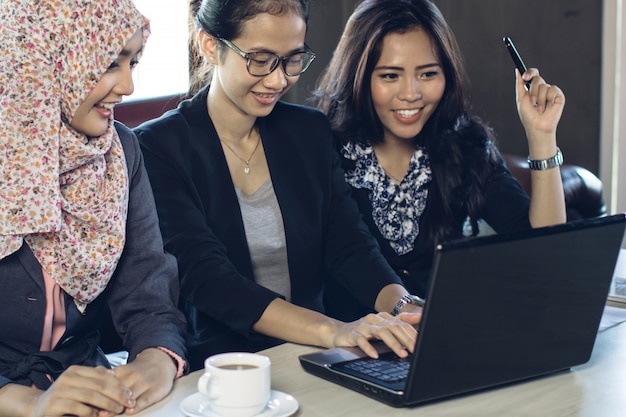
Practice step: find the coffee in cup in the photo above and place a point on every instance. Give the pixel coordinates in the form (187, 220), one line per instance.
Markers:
(238, 366)
(236, 384)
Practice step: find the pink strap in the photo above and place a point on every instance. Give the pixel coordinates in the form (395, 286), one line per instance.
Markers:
(180, 362)
(54, 320)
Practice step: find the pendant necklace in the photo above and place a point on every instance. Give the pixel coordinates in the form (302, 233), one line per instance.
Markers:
(246, 169)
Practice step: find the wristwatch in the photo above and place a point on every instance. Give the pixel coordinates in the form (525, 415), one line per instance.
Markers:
(407, 299)
(543, 164)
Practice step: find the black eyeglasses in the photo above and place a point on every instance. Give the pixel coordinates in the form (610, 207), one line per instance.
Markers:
(260, 64)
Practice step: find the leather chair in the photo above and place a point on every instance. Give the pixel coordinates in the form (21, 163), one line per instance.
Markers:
(134, 112)
(582, 189)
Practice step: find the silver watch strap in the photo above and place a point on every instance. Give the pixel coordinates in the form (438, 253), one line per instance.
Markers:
(407, 299)
(543, 164)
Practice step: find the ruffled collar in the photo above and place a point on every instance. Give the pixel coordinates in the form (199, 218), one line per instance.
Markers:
(396, 208)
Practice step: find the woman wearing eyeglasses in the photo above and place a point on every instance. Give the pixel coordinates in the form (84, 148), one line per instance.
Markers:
(252, 200)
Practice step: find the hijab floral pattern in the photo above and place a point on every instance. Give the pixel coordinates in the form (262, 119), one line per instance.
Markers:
(396, 208)
(63, 194)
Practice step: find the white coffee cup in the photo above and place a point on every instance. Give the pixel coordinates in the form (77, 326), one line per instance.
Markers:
(236, 384)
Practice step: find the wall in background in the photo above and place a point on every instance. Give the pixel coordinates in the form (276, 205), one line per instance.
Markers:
(326, 23)
(563, 38)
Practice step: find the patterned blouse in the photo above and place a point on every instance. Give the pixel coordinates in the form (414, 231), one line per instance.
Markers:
(396, 208)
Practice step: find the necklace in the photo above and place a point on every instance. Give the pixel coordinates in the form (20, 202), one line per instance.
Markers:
(398, 181)
(245, 161)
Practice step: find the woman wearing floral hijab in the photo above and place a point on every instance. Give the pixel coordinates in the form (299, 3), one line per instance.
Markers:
(78, 228)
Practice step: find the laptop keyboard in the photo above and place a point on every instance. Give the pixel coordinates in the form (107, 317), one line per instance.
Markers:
(393, 369)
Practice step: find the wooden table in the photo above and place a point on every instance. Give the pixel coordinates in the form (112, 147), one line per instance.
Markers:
(595, 389)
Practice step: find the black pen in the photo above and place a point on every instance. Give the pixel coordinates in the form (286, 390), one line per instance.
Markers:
(517, 59)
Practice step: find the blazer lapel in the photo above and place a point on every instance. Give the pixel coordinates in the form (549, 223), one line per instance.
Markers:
(31, 265)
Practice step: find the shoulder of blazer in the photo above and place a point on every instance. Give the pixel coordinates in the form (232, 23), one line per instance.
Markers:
(309, 124)
(174, 129)
(169, 123)
(132, 153)
(294, 113)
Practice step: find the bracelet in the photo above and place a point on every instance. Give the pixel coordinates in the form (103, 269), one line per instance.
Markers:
(543, 164)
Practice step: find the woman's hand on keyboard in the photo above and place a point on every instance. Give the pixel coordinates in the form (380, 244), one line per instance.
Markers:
(398, 333)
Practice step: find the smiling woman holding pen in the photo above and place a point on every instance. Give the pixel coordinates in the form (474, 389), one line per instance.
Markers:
(420, 165)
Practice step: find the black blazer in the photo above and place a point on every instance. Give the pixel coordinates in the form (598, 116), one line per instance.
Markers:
(202, 226)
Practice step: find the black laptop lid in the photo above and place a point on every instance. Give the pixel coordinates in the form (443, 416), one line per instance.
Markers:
(510, 307)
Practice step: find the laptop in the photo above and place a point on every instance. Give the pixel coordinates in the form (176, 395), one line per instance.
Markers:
(499, 310)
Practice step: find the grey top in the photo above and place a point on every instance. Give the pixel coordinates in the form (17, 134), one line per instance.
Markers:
(265, 233)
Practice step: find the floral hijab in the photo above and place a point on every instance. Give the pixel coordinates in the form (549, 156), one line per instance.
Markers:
(63, 194)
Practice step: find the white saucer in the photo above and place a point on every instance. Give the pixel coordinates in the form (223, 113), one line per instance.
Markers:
(279, 405)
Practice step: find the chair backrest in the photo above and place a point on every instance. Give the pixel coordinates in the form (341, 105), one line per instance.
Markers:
(582, 189)
(134, 112)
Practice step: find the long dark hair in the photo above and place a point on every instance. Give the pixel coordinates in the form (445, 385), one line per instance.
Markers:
(460, 146)
(225, 19)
